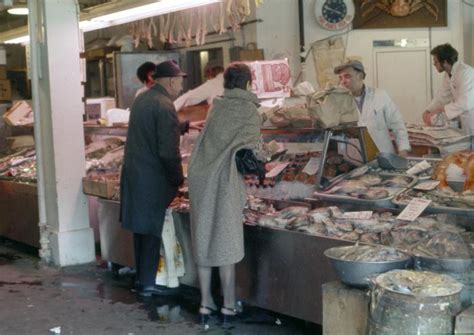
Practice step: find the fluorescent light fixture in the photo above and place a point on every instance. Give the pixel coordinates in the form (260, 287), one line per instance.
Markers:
(18, 10)
(143, 12)
(132, 14)
(18, 40)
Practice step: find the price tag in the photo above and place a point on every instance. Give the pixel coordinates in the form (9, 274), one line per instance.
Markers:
(414, 208)
(276, 170)
(427, 185)
(362, 215)
(420, 167)
(312, 166)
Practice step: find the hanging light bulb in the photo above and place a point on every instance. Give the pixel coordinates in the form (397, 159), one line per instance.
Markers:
(18, 9)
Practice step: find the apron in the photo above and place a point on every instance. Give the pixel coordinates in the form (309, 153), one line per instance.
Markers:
(171, 264)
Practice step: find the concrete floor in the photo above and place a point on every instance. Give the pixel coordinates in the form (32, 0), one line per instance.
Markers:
(89, 299)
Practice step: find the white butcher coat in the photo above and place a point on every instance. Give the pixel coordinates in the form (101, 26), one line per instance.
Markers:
(207, 91)
(457, 96)
(379, 114)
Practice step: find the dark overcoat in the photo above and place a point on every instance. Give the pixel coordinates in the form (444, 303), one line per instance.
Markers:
(151, 172)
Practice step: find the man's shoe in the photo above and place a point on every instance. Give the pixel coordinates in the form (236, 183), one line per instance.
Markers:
(157, 290)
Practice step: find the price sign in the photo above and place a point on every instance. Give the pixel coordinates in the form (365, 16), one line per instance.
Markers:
(427, 185)
(276, 170)
(414, 208)
(362, 215)
(420, 167)
(312, 166)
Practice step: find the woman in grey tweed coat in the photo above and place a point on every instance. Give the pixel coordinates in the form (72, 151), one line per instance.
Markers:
(217, 190)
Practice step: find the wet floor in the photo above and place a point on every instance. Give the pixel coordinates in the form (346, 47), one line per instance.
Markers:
(90, 299)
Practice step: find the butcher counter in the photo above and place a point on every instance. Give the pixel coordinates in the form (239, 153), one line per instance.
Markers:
(282, 271)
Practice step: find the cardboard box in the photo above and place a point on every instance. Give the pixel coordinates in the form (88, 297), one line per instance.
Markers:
(100, 188)
(19, 114)
(3, 72)
(5, 90)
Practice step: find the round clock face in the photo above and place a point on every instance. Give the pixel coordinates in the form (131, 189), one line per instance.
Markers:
(334, 14)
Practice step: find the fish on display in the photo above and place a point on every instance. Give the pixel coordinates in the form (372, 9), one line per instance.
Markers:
(292, 211)
(397, 181)
(370, 179)
(368, 253)
(314, 229)
(349, 187)
(375, 193)
(298, 222)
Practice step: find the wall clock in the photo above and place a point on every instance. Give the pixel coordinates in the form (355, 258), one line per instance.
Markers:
(334, 14)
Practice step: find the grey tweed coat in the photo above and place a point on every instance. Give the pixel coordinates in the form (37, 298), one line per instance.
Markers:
(216, 189)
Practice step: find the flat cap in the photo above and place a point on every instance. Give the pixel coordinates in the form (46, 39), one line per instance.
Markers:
(168, 68)
(355, 64)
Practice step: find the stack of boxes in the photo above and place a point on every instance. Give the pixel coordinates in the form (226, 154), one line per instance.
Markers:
(5, 89)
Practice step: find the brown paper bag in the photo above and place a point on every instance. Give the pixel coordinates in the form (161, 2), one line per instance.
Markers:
(333, 107)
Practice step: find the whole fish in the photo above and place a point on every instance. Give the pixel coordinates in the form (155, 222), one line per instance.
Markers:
(370, 179)
(298, 222)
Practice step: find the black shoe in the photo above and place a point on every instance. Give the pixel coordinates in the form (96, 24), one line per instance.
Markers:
(157, 290)
(229, 317)
(205, 314)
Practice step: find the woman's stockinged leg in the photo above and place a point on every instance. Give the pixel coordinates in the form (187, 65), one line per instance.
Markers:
(227, 275)
(204, 273)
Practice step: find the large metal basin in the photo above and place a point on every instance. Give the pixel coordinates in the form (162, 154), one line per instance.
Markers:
(356, 273)
(457, 265)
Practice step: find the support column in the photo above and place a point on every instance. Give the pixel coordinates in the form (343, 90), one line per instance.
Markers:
(59, 133)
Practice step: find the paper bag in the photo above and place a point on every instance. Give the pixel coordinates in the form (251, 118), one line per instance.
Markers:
(333, 107)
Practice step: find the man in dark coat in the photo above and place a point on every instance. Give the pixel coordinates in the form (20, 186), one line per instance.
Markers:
(152, 171)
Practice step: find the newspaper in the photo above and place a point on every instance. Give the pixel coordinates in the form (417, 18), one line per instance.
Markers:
(446, 139)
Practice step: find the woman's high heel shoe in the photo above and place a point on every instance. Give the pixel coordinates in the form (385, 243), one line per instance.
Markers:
(205, 313)
(229, 315)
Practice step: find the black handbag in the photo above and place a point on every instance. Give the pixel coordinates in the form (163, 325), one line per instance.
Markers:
(249, 164)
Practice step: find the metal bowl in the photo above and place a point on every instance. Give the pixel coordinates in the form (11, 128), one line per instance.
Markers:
(456, 265)
(356, 273)
(389, 161)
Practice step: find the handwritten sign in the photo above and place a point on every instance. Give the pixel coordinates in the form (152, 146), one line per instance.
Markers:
(312, 166)
(427, 185)
(361, 215)
(414, 208)
(420, 167)
(276, 170)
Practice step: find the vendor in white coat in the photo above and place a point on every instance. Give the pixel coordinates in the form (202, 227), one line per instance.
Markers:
(377, 111)
(456, 95)
(214, 86)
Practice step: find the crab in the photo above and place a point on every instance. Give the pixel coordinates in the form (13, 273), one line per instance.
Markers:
(399, 8)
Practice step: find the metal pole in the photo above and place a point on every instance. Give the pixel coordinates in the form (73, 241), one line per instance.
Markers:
(327, 138)
(302, 44)
(36, 40)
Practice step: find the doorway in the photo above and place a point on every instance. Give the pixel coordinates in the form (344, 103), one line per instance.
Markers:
(196, 62)
(405, 75)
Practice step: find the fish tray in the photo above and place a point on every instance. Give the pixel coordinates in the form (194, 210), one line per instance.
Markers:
(357, 273)
(383, 202)
(374, 167)
(432, 209)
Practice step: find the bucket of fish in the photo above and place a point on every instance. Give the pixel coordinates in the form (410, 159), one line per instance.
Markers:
(410, 302)
(354, 265)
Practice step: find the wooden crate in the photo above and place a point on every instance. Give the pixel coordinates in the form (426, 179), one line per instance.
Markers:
(3, 72)
(5, 90)
(102, 189)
